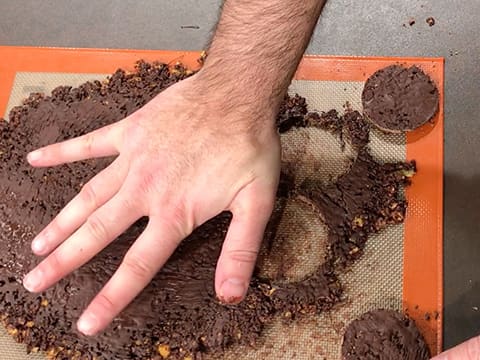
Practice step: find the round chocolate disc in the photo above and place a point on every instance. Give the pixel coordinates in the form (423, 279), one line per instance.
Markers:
(383, 335)
(399, 99)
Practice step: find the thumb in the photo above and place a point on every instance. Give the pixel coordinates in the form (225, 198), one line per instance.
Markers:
(469, 350)
(251, 210)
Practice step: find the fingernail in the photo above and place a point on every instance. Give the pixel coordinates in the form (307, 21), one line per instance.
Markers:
(88, 324)
(232, 291)
(33, 281)
(39, 244)
(34, 155)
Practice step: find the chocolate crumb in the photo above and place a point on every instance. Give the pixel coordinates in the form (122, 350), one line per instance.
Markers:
(384, 335)
(292, 113)
(430, 21)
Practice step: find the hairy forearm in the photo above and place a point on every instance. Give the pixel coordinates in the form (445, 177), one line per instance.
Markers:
(257, 47)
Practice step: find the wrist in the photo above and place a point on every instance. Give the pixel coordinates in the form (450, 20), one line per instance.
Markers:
(238, 97)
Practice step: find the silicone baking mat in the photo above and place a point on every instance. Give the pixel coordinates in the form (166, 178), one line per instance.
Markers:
(402, 265)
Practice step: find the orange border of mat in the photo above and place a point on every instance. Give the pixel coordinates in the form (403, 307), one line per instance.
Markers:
(422, 276)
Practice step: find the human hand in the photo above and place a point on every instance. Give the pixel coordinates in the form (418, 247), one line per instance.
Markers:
(469, 350)
(182, 159)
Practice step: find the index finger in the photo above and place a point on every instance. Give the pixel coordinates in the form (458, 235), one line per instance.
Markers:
(98, 143)
(142, 261)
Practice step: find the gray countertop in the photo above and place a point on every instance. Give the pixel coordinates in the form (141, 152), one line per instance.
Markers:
(347, 27)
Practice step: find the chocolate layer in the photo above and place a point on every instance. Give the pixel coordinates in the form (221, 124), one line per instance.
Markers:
(384, 335)
(397, 99)
(178, 313)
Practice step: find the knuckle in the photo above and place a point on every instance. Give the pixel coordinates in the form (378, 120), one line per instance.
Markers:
(147, 183)
(54, 266)
(256, 202)
(175, 225)
(105, 303)
(178, 222)
(88, 141)
(89, 196)
(138, 267)
(55, 262)
(96, 228)
(55, 228)
(129, 203)
(242, 256)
